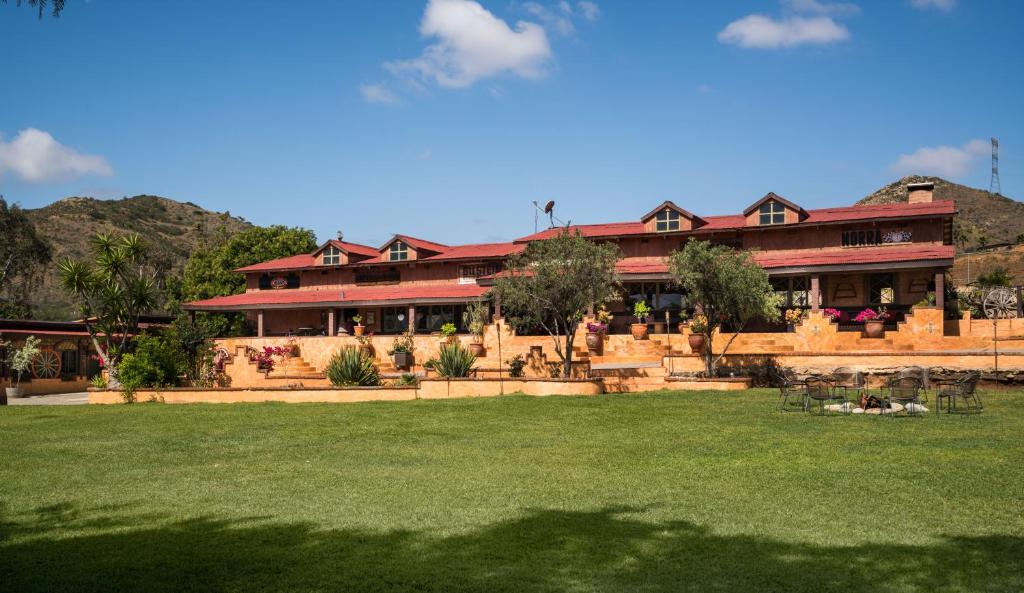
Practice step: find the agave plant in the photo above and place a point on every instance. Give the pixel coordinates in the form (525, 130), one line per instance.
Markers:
(352, 367)
(454, 361)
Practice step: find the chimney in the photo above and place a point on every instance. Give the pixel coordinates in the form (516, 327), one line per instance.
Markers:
(919, 192)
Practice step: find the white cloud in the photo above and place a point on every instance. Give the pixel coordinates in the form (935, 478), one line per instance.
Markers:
(943, 5)
(825, 8)
(35, 156)
(471, 44)
(378, 93)
(558, 18)
(763, 32)
(944, 161)
(588, 10)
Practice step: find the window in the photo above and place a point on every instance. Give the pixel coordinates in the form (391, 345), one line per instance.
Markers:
(394, 320)
(667, 220)
(332, 256)
(430, 318)
(794, 290)
(772, 212)
(399, 251)
(883, 291)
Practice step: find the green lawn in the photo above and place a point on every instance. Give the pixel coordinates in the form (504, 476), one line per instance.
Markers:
(660, 492)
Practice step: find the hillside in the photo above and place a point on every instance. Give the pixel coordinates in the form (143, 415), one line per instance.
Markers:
(172, 228)
(984, 217)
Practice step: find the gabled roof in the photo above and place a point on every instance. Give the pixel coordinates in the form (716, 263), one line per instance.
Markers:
(671, 205)
(477, 250)
(294, 262)
(774, 197)
(349, 248)
(417, 244)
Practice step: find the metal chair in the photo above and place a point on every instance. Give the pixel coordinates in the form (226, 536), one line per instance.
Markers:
(921, 375)
(819, 389)
(964, 389)
(903, 391)
(849, 380)
(793, 392)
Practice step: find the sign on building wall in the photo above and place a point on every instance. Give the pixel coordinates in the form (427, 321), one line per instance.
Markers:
(861, 238)
(468, 273)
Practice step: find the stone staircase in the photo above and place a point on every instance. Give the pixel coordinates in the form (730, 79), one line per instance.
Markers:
(294, 368)
(631, 377)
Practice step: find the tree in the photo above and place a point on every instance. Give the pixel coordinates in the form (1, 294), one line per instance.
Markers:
(23, 256)
(58, 6)
(727, 287)
(997, 276)
(210, 271)
(113, 292)
(552, 283)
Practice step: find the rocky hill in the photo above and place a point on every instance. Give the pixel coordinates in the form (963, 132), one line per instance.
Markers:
(985, 218)
(172, 228)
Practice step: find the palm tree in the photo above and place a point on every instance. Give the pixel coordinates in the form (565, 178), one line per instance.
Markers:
(58, 6)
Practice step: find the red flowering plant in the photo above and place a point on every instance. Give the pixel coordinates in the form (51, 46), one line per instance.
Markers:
(265, 360)
(871, 315)
(833, 314)
(597, 327)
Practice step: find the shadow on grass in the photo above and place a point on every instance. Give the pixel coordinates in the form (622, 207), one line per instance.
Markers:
(546, 550)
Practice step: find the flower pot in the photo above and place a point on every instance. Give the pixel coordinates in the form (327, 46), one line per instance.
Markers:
(15, 392)
(639, 331)
(696, 342)
(594, 343)
(476, 348)
(682, 327)
(874, 329)
(403, 360)
(358, 330)
(790, 328)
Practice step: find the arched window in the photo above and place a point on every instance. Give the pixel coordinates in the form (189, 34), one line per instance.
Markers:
(772, 212)
(399, 251)
(667, 220)
(332, 256)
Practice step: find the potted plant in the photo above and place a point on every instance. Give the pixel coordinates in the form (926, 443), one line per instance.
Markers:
(401, 351)
(448, 333)
(20, 361)
(793, 318)
(365, 345)
(429, 367)
(639, 329)
(475, 320)
(832, 314)
(683, 323)
(697, 339)
(874, 322)
(595, 337)
(358, 329)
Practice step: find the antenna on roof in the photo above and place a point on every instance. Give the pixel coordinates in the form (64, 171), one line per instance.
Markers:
(548, 209)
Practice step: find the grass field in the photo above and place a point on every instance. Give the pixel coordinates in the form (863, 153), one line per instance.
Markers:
(660, 492)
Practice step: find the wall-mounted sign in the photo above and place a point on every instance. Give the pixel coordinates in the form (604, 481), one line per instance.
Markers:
(861, 238)
(470, 272)
(279, 282)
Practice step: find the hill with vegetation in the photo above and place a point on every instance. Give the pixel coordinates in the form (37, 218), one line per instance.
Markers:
(173, 229)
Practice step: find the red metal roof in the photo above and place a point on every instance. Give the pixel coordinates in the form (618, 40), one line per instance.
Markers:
(294, 262)
(419, 244)
(478, 250)
(738, 221)
(856, 255)
(355, 248)
(365, 294)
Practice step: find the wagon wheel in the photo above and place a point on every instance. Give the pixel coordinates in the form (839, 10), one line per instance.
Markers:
(1000, 303)
(46, 365)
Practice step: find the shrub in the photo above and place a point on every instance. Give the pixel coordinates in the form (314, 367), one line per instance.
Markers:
(448, 330)
(406, 379)
(98, 382)
(352, 368)
(454, 361)
(641, 311)
(516, 364)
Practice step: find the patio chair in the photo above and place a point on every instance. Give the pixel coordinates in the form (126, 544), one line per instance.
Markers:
(964, 389)
(819, 389)
(849, 381)
(793, 392)
(903, 391)
(921, 375)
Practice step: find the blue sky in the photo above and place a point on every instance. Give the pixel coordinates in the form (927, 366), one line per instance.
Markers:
(445, 119)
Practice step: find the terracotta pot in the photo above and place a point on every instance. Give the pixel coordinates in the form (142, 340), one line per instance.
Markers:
(594, 343)
(476, 349)
(682, 327)
(874, 329)
(696, 342)
(358, 330)
(639, 331)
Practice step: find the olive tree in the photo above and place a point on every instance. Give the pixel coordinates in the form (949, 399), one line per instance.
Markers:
(727, 288)
(553, 282)
(113, 291)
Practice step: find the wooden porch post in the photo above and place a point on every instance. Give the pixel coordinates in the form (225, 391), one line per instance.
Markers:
(259, 323)
(815, 292)
(330, 322)
(412, 319)
(940, 289)
(192, 316)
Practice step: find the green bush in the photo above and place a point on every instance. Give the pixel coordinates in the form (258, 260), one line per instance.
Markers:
(454, 361)
(156, 362)
(352, 367)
